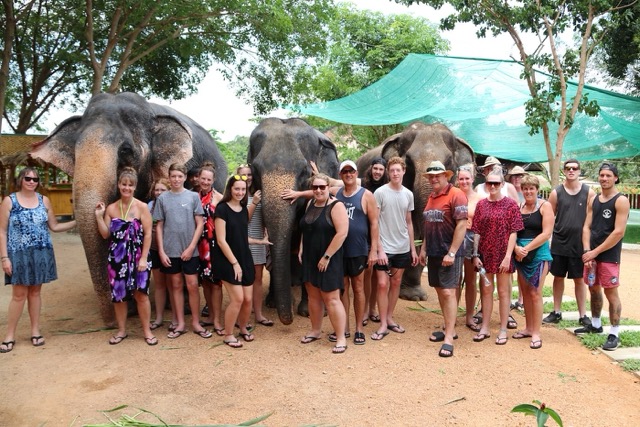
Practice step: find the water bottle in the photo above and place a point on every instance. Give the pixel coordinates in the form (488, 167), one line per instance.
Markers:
(483, 277)
(591, 275)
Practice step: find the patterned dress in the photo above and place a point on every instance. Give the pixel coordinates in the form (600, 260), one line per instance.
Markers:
(125, 250)
(494, 221)
(29, 246)
(207, 240)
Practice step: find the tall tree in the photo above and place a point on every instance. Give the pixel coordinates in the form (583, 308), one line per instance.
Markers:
(549, 101)
(619, 54)
(363, 47)
(161, 48)
(8, 23)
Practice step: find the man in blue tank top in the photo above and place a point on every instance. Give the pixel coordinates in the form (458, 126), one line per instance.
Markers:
(362, 212)
(604, 228)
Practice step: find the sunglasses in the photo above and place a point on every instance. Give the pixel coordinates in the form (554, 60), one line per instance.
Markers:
(246, 165)
(493, 184)
(31, 179)
(240, 177)
(349, 171)
(319, 187)
(572, 168)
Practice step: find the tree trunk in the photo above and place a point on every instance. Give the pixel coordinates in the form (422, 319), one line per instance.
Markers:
(9, 34)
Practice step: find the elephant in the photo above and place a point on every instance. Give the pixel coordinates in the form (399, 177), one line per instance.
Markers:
(116, 131)
(419, 144)
(279, 154)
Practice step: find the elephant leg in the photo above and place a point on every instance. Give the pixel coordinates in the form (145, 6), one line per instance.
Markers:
(411, 288)
(303, 307)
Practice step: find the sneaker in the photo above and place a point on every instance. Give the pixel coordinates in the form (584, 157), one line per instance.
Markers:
(585, 321)
(612, 343)
(553, 317)
(588, 330)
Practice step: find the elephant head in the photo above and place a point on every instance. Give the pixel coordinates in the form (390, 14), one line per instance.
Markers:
(279, 153)
(419, 144)
(114, 132)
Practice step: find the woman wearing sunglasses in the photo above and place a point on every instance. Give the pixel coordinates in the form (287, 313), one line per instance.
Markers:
(232, 261)
(26, 252)
(496, 223)
(324, 227)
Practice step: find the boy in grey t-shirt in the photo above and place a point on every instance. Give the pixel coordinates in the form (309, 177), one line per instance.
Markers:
(179, 215)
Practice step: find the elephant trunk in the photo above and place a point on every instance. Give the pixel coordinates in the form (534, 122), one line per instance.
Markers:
(281, 226)
(95, 181)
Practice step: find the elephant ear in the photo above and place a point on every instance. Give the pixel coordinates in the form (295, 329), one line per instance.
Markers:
(172, 143)
(328, 155)
(392, 147)
(464, 154)
(59, 148)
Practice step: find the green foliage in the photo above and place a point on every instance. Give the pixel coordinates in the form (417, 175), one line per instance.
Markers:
(62, 54)
(549, 102)
(362, 47)
(631, 365)
(541, 412)
(234, 152)
(627, 339)
(566, 306)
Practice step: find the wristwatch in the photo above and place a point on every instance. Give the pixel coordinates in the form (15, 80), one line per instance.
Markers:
(327, 257)
(452, 255)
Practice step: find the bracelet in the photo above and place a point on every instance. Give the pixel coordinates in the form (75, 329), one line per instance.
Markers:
(4, 257)
(475, 256)
(254, 203)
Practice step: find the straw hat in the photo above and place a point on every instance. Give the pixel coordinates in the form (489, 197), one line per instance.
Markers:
(490, 161)
(516, 170)
(436, 168)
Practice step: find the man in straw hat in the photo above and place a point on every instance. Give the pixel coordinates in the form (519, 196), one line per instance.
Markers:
(445, 224)
(507, 189)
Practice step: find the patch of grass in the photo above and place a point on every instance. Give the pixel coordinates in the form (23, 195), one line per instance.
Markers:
(547, 307)
(631, 365)
(563, 324)
(565, 377)
(627, 339)
(133, 421)
(546, 292)
(632, 234)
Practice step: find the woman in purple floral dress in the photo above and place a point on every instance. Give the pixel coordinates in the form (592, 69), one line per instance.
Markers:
(127, 224)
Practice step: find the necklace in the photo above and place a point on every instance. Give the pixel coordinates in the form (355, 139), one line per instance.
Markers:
(124, 215)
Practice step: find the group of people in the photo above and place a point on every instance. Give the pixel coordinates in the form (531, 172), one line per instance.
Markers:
(355, 235)
(497, 231)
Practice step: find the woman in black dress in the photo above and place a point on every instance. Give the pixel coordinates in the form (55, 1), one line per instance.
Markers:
(324, 227)
(231, 257)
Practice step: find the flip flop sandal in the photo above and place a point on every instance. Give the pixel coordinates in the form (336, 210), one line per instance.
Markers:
(481, 337)
(377, 336)
(359, 338)
(203, 333)
(519, 335)
(396, 328)
(375, 318)
(233, 344)
(247, 337)
(9, 346)
(474, 327)
(175, 334)
(117, 339)
(266, 322)
(153, 326)
(35, 341)
(339, 349)
(172, 327)
(511, 323)
(534, 345)
(205, 324)
(502, 340)
(219, 331)
(151, 341)
(309, 339)
(365, 322)
(333, 338)
(438, 336)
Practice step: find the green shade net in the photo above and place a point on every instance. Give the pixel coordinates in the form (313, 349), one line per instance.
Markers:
(482, 101)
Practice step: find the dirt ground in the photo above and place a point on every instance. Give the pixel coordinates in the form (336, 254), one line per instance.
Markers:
(397, 381)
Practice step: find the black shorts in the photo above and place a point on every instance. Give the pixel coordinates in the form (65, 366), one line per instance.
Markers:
(396, 261)
(354, 266)
(564, 266)
(179, 266)
(154, 258)
(444, 277)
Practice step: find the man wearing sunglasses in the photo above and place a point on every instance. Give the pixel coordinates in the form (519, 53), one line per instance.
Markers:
(362, 212)
(569, 203)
